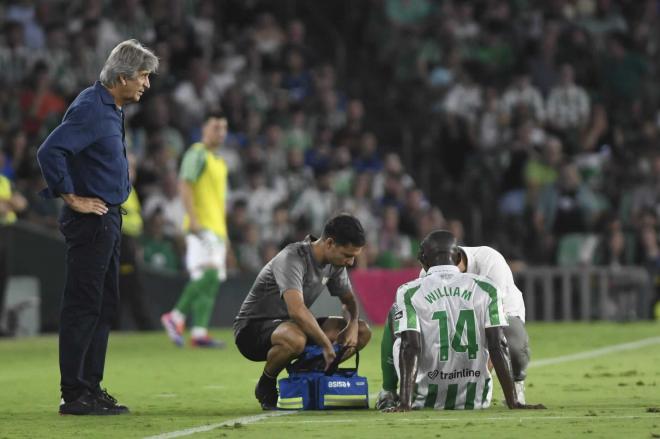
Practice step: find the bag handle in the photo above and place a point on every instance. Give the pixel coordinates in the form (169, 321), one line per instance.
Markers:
(334, 366)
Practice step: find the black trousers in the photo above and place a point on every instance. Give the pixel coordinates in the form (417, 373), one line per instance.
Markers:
(91, 297)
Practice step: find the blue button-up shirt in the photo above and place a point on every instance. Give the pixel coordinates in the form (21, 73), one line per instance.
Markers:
(86, 154)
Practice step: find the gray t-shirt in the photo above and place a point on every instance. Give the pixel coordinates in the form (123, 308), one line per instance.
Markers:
(293, 268)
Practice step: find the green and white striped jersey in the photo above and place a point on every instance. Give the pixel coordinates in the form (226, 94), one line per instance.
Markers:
(451, 310)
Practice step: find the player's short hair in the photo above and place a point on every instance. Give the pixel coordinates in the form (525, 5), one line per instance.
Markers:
(438, 248)
(345, 229)
(127, 59)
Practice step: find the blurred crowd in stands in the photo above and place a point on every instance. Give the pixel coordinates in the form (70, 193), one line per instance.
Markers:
(530, 126)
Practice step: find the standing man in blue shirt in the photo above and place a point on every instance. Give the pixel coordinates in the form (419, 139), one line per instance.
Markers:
(84, 162)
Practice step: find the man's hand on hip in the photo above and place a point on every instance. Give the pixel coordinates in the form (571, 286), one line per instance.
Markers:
(85, 204)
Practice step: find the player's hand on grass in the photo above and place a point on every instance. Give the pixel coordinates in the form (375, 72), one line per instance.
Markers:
(520, 406)
(85, 204)
(399, 408)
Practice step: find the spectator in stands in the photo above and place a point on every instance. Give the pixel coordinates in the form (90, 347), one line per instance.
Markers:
(368, 156)
(42, 107)
(566, 207)
(279, 230)
(196, 96)
(394, 248)
(40, 211)
(646, 194)
(57, 56)
(298, 135)
(615, 248)
(542, 169)
(622, 71)
(512, 201)
(543, 68)
(261, 198)
(274, 149)
(492, 127)
(156, 117)
(463, 100)
(317, 202)
(351, 133)
(159, 251)
(297, 79)
(248, 251)
(16, 161)
(167, 199)
(568, 104)
(523, 97)
(268, 37)
(15, 57)
(296, 178)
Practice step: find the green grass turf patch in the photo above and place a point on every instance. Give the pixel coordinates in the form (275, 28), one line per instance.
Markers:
(170, 389)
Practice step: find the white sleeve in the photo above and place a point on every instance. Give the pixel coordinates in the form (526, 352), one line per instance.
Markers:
(499, 272)
(404, 317)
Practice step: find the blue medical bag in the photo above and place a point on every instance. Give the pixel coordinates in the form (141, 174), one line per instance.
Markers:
(308, 387)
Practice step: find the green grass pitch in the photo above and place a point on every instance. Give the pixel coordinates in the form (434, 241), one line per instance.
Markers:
(168, 389)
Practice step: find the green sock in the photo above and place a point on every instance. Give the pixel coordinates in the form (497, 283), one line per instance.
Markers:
(390, 379)
(202, 306)
(190, 293)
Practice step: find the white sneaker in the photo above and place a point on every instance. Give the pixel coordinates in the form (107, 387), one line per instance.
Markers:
(520, 391)
(386, 399)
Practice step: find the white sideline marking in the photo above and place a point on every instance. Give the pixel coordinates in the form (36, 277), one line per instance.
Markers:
(443, 419)
(596, 352)
(229, 423)
(538, 363)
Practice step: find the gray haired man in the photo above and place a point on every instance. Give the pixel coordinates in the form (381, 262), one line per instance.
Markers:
(84, 162)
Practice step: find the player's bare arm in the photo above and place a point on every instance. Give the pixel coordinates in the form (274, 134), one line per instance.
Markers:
(499, 354)
(411, 348)
(304, 318)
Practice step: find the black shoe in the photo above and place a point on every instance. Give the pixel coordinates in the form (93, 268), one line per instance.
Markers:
(86, 404)
(108, 401)
(267, 396)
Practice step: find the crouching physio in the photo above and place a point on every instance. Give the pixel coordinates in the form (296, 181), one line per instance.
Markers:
(274, 323)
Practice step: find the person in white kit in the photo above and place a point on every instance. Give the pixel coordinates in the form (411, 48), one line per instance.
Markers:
(488, 262)
(447, 326)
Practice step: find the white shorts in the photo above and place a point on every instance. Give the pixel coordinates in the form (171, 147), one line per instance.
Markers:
(204, 251)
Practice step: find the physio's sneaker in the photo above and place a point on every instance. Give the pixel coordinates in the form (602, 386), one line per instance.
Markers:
(386, 400)
(267, 396)
(207, 342)
(108, 401)
(520, 391)
(173, 329)
(86, 404)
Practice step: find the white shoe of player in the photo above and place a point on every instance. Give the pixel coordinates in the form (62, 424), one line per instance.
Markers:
(386, 399)
(520, 391)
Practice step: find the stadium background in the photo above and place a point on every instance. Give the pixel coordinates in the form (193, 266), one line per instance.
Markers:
(532, 127)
